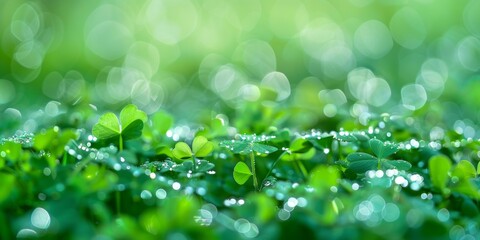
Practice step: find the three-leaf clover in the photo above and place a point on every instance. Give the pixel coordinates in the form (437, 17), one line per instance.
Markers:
(361, 162)
(248, 145)
(113, 130)
(201, 147)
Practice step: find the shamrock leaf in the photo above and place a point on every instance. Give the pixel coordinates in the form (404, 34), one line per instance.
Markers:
(362, 162)
(201, 146)
(110, 129)
(439, 167)
(182, 151)
(398, 164)
(241, 173)
(382, 149)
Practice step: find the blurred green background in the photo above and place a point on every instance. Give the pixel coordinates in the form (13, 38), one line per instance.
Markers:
(316, 60)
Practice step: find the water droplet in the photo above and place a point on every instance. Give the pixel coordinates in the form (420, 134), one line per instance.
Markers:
(283, 215)
(42, 196)
(47, 171)
(117, 167)
(242, 225)
(145, 194)
(201, 191)
(355, 186)
(443, 215)
(292, 202)
(379, 174)
(176, 186)
(40, 218)
(27, 233)
(391, 212)
(161, 193)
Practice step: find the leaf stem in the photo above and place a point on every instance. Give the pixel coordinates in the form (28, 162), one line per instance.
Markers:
(120, 143)
(254, 175)
(194, 164)
(64, 160)
(302, 168)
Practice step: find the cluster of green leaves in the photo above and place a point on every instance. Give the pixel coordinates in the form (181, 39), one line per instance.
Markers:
(131, 180)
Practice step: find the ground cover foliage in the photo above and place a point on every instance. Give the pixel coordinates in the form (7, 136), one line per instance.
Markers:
(146, 177)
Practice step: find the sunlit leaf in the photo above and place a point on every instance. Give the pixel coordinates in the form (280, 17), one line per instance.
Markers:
(241, 173)
(300, 145)
(464, 169)
(439, 166)
(324, 177)
(201, 147)
(182, 151)
(131, 113)
(162, 121)
(107, 127)
(8, 184)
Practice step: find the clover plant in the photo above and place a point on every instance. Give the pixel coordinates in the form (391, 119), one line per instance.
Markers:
(360, 162)
(201, 147)
(111, 129)
(248, 145)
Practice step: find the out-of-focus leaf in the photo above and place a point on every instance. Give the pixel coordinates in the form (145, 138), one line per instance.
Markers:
(439, 167)
(241, 173)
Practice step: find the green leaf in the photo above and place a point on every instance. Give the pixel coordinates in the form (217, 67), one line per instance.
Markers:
(8, 185)
(478, 168)
(324, 177)
(362, 162)
(382, 149)
(398, 164)
(300, 145)
(11, 150)
(439, 166)
(464, 169)
(182, 151)
(241, 147)
(467, 187)
(300, 156)
(183, 167)
(361, 137)
(347, 138)
(130, 126)
(263, 149)
(162, 121)
(323, 142)
(44, 139)
(107, 127)
(131, 113)
(204, 165)
(133, 130)
(241, 173)
(201, 146)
